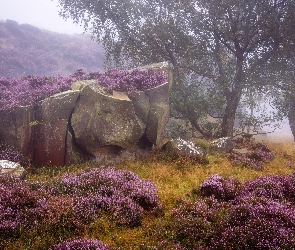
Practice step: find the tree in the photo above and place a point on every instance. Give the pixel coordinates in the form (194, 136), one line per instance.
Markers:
(282, 85)
(221, 41)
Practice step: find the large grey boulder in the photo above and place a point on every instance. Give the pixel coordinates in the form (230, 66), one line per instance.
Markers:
(113, 125)
(99, 120)
(10, 167)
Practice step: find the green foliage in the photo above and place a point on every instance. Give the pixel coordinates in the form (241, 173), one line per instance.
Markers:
(219, 43)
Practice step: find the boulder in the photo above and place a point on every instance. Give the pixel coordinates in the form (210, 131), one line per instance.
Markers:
(159, 105)
(16, 128)
(51, 128)
(185, 148)
(224, 144)
(89, 122)
(142, 106)
(101, 120)
(158, 114)
(10, 167)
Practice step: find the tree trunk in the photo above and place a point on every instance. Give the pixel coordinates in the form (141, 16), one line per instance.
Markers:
(227, 126)
(233, 97)
(291, 116)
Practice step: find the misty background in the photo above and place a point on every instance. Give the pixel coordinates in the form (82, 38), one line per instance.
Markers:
(40, 13)
(44, 15)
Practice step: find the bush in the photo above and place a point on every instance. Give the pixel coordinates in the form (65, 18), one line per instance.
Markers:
(194, 224)
(121, 193)
(260, 153)
(10, 153)
(65, 206)
(20, 206)
(259, 215)
(131, 81)
(258, 223)
(270, 187)
(30, 89)
(222, 189)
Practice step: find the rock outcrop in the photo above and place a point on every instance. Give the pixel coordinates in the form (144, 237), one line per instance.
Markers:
(185, 148)
(224, 144)
(10, 167)
(89, 122)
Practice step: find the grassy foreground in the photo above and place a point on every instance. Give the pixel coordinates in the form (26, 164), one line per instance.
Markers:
(175, 178)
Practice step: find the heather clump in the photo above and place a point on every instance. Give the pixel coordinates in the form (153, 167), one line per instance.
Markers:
(219, 187)
(10, 153)
(194, 224)
(259, 214)
(257, 154)
(66, 205)
(85, 244)
(21, 207)
(131, 81)
(272, 187)
(122, 194)
(258, 223)
(29, 90)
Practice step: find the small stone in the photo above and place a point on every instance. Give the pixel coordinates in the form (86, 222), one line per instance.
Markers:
(10, 167)
(185, 148)
(224, 144)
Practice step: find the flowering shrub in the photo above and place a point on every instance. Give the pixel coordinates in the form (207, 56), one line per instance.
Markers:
(8, 152)
(20, 206)
(260, 215)
(272, 187)
(130, 81)
(245, 160)
(194, 224)
(258, 223)
(104, 189)
(85, 244)
(259, 154)
(67, 205)
(220, 188)
(31, 89)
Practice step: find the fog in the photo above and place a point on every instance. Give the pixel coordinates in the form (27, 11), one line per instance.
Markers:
(40, 13)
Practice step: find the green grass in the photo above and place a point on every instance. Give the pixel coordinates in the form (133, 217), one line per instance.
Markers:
(174, 178)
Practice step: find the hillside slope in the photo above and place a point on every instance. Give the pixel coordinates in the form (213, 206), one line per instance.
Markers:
(28, 50)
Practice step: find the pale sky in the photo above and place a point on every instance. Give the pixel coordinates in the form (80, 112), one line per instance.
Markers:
(40, 13)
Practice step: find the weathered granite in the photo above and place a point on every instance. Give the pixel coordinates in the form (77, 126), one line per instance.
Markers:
(185, 148)
(99, 120)
(224, 144)
(89, 122)
(16, 129)
(51, 128)
(10, 167)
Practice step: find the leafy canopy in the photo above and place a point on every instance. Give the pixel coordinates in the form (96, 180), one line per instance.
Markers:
(221, 41)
